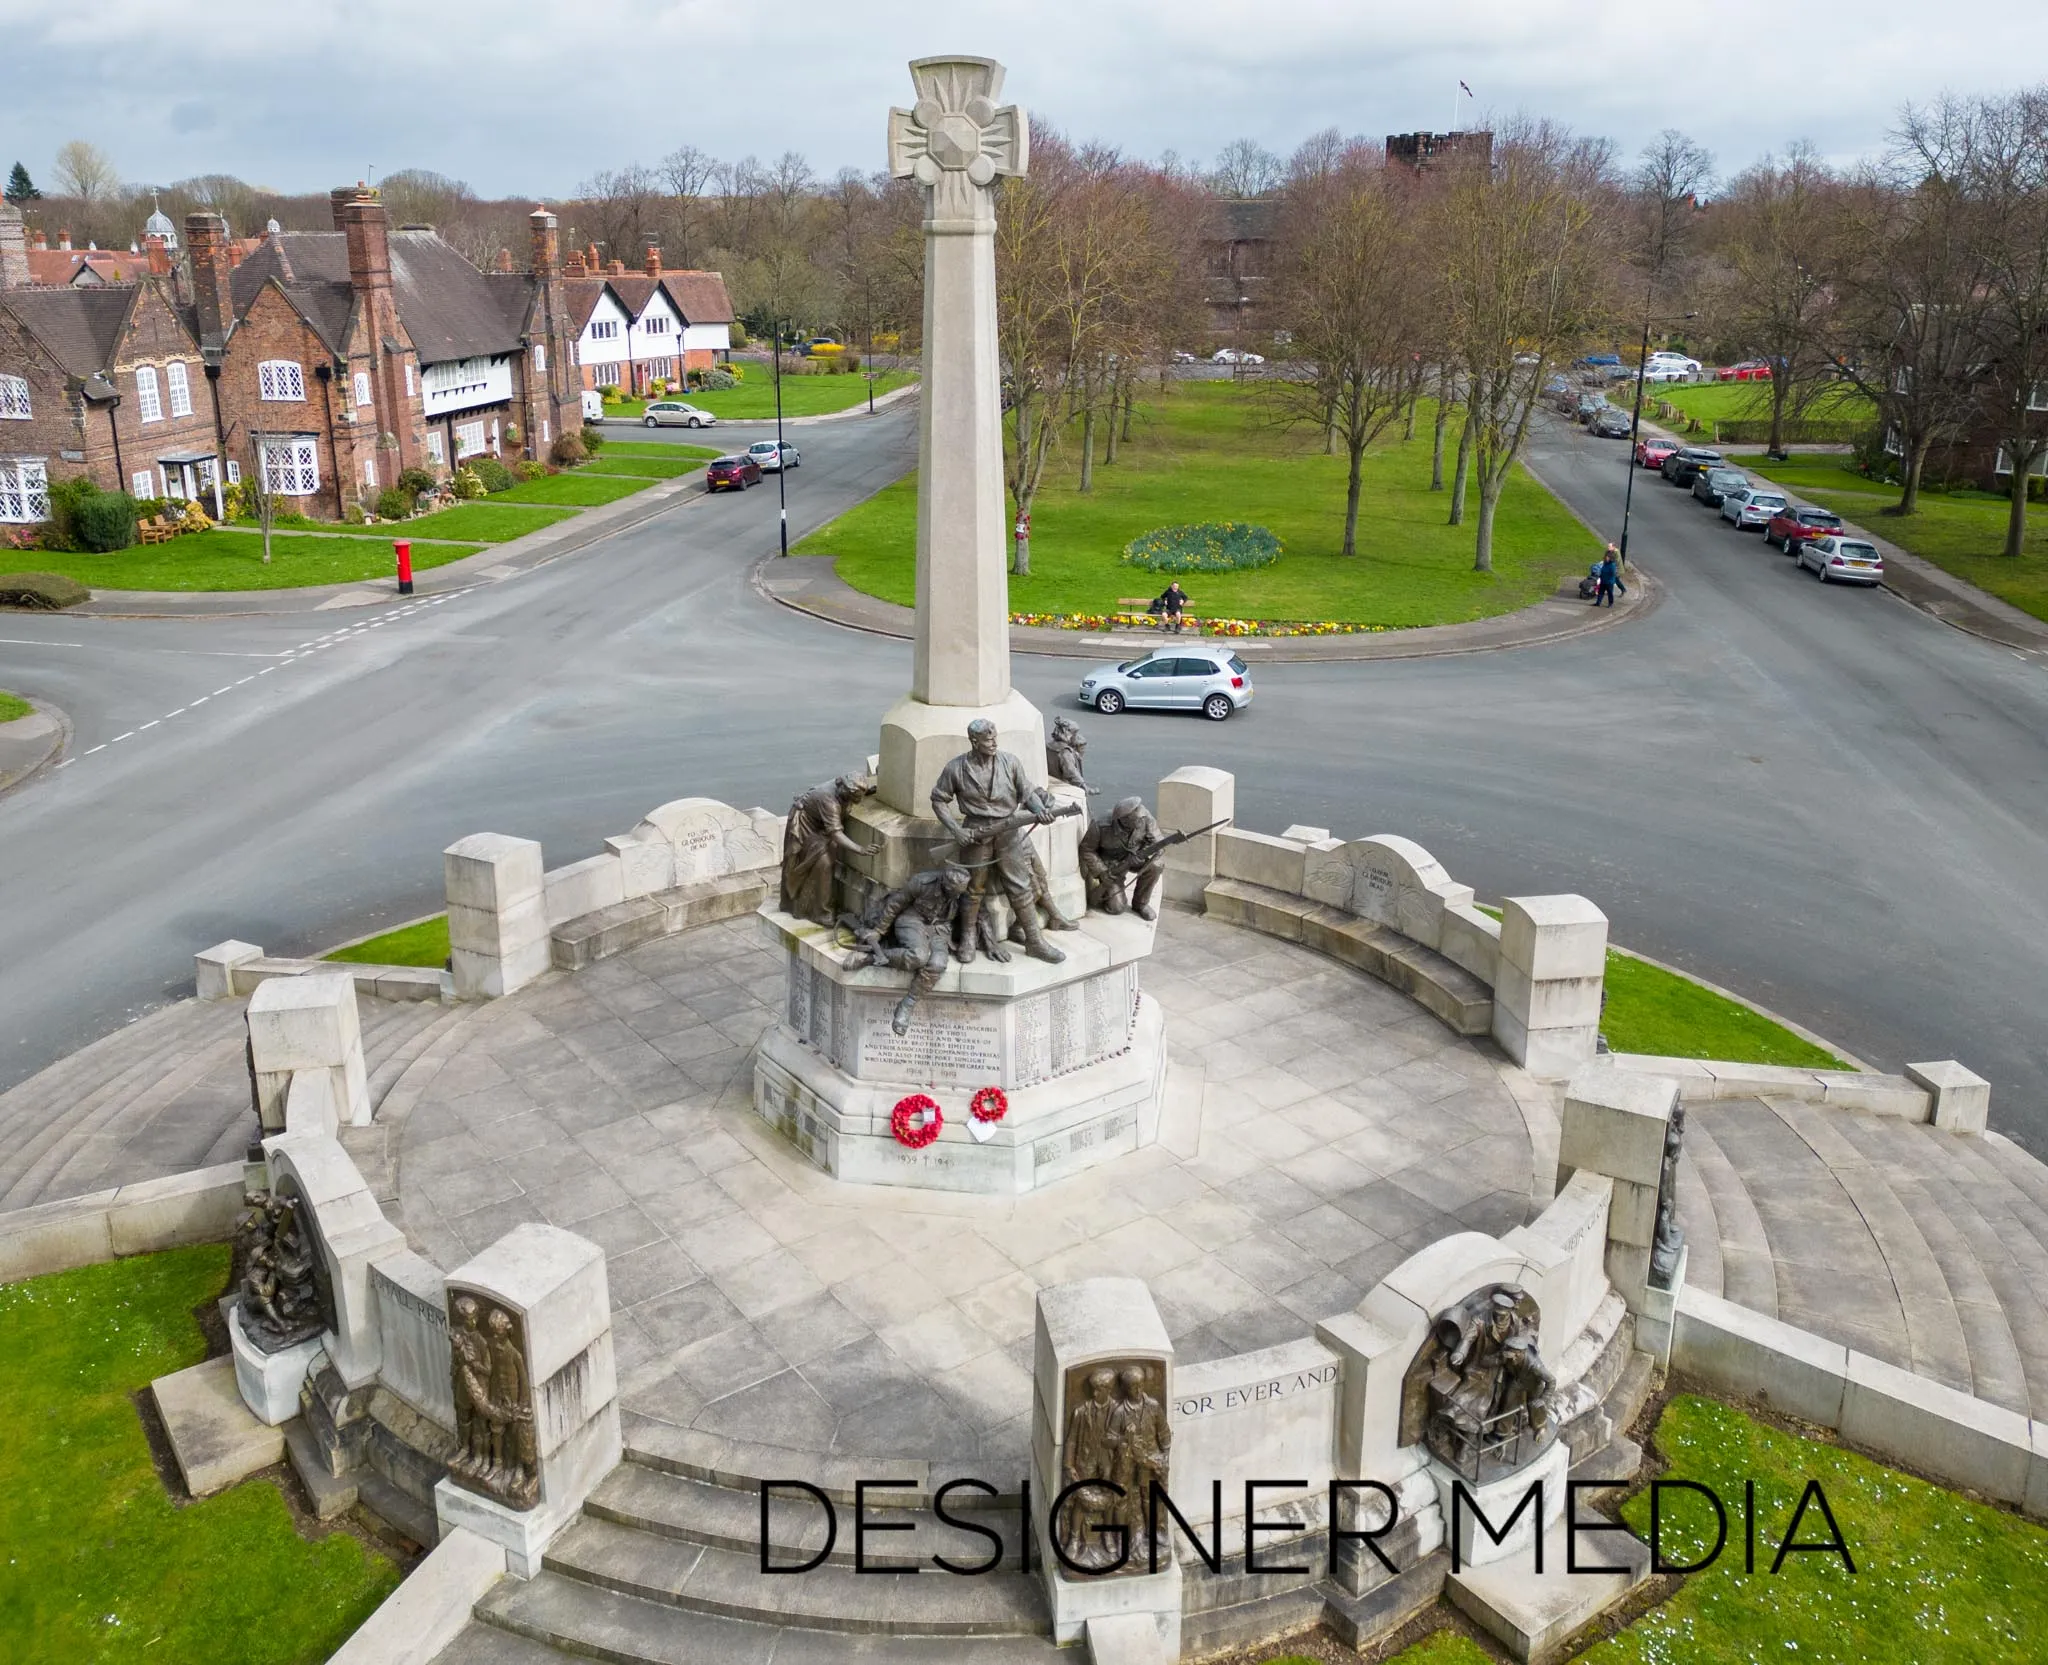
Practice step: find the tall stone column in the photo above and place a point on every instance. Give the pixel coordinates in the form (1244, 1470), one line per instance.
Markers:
(956, 142)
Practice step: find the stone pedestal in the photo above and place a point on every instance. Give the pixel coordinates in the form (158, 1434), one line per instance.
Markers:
(1189, 798)
(269, 1382)
(1615, 1123)
(1077, 1048)
(305, 1025)
(351, 1235)
(497, 914)
(1548, 981)
(1099, 1323)
(1497, 1500)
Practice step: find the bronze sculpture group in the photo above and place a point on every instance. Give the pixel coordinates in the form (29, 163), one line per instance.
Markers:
(280, 1295)
(1669, 1242)
(1479, 1388)
(1117, 1437)
(496, 1452)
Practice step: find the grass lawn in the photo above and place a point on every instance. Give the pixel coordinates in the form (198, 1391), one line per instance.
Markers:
(233, 560)
(668, 462)
(1961, 532)
(582, 489)
(490, 521)
(1203, 451)
(1443, 1647)
(754, 398)
(1751, 401)
(13, 706)
(1939, 1580)
(1653, 1010)
(99, 1565)
(424, 942)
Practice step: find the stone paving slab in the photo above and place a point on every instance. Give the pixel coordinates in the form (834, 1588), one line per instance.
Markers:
(758, 1301)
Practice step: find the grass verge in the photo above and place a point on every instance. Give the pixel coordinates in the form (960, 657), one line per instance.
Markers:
(1443, 1647)
(1962, 532)
(1939, 1579)
(1206, 451)
(1751, 402)
(675, 460)
(13, 707)
(581, 489)
(99, 1564)
(495, 521)
(754, 398)
(233, 560)
(425, 942)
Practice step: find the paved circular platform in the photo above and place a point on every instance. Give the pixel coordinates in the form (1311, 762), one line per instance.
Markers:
(1322, 1127)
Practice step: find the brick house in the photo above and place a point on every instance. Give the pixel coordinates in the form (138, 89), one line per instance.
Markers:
(105, 380)
(635, 327)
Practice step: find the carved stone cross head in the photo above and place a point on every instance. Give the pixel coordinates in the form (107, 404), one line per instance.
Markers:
(956, 139)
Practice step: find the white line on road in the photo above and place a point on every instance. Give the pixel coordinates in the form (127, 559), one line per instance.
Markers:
(248, 679)
(120, 737)
(146, 727)
(102, 746)
(24, 641)
(219, 691)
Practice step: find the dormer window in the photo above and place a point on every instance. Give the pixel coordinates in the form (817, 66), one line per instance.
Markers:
(282, 380)
(149, 403)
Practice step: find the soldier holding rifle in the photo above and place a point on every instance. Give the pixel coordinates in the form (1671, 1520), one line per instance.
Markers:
(1127, 844)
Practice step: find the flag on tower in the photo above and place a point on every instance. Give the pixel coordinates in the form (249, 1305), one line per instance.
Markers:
(1467, 91)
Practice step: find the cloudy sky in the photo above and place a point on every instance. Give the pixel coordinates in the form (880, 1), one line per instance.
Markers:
(527, 97)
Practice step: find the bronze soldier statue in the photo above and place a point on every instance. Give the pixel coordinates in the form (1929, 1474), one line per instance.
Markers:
(1142, 1438)
(813, 837)
(1063, 751)
(911, 931)
(1090, 1461)
(1124, 844)
(987, 805)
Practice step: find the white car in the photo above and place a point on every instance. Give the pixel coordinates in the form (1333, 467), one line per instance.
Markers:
(675, 413)
(763, 451)
(1211, 680)
(1839, 560)
(1751, 509)
(1666, 373)
(1230, 355)
(1183, 358)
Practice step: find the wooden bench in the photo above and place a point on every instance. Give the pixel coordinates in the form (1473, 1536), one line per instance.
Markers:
(1141, 605)
(157, 530)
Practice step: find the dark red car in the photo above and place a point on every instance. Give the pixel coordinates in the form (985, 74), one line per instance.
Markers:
(1650, 453)
(732, 474)
(1789, 528)
(1749, 370)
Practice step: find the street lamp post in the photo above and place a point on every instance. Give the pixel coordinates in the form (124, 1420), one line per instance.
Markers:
(781, 472)
(1635, 424)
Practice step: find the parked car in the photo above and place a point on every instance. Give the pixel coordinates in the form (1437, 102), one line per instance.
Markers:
(732, 474)
(1565, 400)
(1749, 370)
(1791, 526)
(1711, 485)
(1839, 560)
(1600, 361)
(1211, 680)
(673, 413)
(1658, 373)
(1589, 406)
(763, 451)
(593, 405)
(1183, 358)
(1611, 423)
(1680, 467)
(1665, 357)
(1750, 509)
(1230, 355)
(1651, 452)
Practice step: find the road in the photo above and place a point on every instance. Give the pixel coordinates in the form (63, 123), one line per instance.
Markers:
(1817, 796)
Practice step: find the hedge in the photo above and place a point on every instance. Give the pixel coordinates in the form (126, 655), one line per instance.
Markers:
(40, 591)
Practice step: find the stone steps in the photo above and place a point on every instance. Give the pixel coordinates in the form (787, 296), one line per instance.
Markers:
(1748, 1276)
(1702, 1228)
(730, 1584)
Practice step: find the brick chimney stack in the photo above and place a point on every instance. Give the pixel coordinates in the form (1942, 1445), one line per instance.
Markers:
(618, 268)
(653, 261)
(575, 267)
(359, 212)
(39, 241)
(63, 237)
(546, 247)
(159, 256)
(206, 240)
(504, 261)
(13, 249)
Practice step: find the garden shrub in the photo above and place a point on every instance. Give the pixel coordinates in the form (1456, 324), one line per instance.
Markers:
(62, 527)
(106, 522)
(417, 480)
(40, 591)
(593, 440)
(568, 450)
(153, 508)
(716, 381)
(395, 503)
(195, 518)
(494, 474)
(467, 485)
(1211, 546)
(529, 470)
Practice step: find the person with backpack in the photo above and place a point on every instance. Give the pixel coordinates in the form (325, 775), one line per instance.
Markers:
(1173, 601)
(1609, 574)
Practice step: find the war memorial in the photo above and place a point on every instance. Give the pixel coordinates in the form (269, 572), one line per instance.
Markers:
(950, 1221)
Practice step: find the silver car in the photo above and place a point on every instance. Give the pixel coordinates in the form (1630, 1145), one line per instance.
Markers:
(771, 460)
(674, 413)
(1211, 680)
(1838, 560)
(1751, 509)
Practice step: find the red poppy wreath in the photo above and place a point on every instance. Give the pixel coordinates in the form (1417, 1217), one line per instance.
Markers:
(916, 1121)
(991, 1104)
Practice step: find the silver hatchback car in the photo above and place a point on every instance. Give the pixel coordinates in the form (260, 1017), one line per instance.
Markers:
(1211, 680)
(676, 413)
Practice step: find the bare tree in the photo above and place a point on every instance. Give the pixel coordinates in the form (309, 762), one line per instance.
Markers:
(1245, 168)
(1350, 292)
(1525, 284)
(686, 171)
(86, 172)
(620, 204)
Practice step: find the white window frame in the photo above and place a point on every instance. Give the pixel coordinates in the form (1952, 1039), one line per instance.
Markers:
(540, 358)
(2003, 464)
(234, 472)
(469, 440)
(24, 490)
(14, 401)
(1893, 445)
(437, 447)
(604, 329)
(607, 375)
(291, 465)
(655, 323)
(545, 433)
(412, 383)
(2037, 395)
(362, 380)
(369, 473)
(179, 385)
(149, 404)
(281, 381)
(142, 483)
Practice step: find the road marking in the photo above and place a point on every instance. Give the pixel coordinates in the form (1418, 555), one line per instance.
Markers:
(24, 641)
(67, 763)
(146, 727)
(219, 691)
(102, 746)
(201, 700)
(120, 737)
(248, 679)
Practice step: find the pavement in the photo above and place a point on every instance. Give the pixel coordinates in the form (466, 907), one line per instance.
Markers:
(27, 743)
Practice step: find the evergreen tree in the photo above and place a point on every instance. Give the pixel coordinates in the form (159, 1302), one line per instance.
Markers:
(21, 190)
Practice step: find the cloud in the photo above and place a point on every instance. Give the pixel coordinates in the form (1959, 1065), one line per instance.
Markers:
(551, 91)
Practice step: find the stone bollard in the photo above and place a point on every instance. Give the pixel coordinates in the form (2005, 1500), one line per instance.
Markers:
(1190, 798)
(1101, 1348)
(308, 1023)
(1615, 1123)
(1547, 983)
(530, 1320)
(1959, 1099)
(497, 914)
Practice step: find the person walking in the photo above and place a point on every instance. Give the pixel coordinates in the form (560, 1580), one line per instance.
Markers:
(1173, 601)
(1609, 573)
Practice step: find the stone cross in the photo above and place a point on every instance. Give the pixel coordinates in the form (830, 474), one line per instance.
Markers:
(956, 142)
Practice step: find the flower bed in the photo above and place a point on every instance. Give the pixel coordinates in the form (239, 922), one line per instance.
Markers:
(1210, 546)
(1203, 627)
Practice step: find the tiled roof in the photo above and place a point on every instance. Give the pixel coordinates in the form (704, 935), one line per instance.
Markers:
(61, 266)
(582, 295)
(699, 296)
(1247, 219)
(80, 327)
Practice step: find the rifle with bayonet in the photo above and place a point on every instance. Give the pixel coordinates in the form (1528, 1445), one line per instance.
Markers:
(1135, 861)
